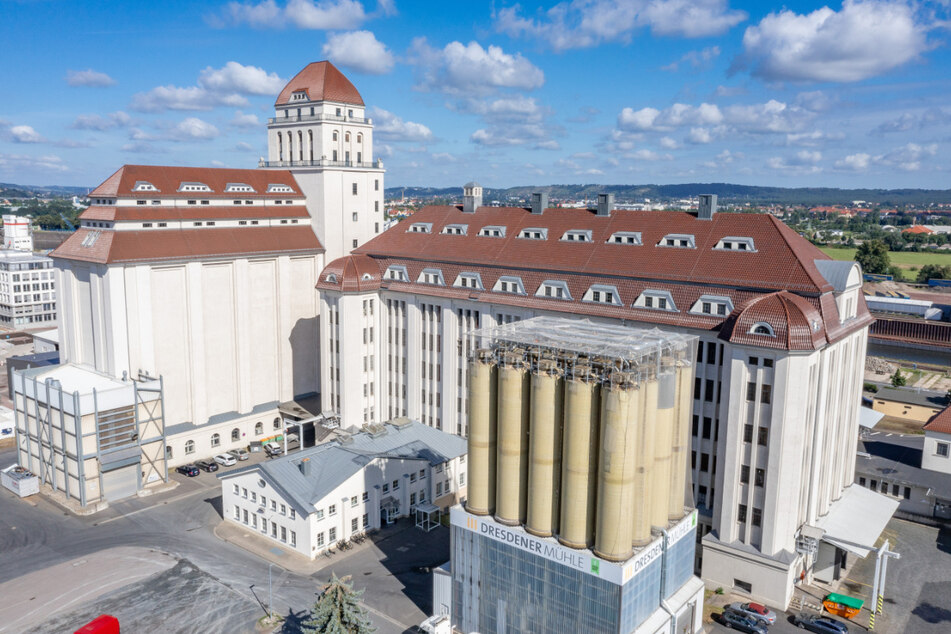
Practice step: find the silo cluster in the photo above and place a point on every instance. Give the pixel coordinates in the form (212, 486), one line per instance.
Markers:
(580, 431)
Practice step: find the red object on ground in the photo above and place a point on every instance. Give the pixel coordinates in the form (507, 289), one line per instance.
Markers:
(102, 624)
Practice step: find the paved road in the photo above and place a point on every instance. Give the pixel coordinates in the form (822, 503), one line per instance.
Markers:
(37, 534)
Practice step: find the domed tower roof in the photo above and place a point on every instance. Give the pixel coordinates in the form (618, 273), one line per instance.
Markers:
(321, 81)
(778, 320)
(351, 274)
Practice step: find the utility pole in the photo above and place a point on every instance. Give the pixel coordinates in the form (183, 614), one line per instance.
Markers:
(270, 604)
(878, 584)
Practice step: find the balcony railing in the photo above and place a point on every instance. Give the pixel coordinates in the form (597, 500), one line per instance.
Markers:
(318, 117)
(377, 164)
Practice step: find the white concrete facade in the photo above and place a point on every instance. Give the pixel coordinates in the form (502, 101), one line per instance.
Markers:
(28, 295)
(936, 454)
(17, 233)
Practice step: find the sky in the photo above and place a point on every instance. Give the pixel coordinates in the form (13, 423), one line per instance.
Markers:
(801, 94)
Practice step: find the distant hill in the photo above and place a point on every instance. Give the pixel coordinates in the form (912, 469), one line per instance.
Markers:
(10, 190)
(726, 192)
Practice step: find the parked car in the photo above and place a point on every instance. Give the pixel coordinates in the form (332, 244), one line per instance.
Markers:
(207, 465)
(741, 622)
(225, 459)
(188, 469)
(757, 611)
(240, 454)
(273, 449)
(820, 624)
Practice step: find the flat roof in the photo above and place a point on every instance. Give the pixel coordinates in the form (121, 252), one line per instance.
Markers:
(923, 398)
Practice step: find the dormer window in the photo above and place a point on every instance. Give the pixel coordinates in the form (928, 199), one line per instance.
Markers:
(396, 273)
(554, 289)
(733, 243)
(144, 186)
(533, 233)
(299, 95)
(625, 237)
(577, 235)
(713, 305)
(455, 230)
(331, 278)
(238, 187)
(603, 294)
(468, 280)
(509, 284)
(421, 227)
(656, 300)
(276, 188)
(431, 276)
(762, 328)
(681, 240)
(194, 187)
(492, 231)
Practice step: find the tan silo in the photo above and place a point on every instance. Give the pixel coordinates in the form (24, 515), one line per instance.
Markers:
(614, 528)
(579, 459)
(512, 462)
(544, 453)
(482, 434)
(663, 447)
(642, 419)
(681, 447)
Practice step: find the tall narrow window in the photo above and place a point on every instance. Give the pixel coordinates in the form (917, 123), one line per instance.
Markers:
(310, 143)
(300, 145)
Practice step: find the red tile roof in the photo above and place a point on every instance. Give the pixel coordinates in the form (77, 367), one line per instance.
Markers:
(168, 179)
(941, 422)
(322, 82)
(198, 212)
(795, 323)
(186, 244)
(353, 273)
(917, 229)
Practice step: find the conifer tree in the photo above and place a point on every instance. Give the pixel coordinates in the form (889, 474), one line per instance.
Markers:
(338, 610)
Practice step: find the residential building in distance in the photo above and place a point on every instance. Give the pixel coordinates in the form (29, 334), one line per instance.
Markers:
(782, 337)
(908, 405)
(17, 233)
(202, 276)
(92, 438)
(28, 290)
(310, 500)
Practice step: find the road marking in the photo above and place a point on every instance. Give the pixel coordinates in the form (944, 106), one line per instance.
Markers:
(858, 582)
(149, 508)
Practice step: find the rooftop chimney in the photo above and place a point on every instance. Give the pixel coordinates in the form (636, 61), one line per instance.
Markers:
(305, 466)
(605, 204)
(539, 202)
(708, 206)
(471, 197)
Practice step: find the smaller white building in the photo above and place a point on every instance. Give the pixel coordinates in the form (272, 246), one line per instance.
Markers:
(314, 498)
(46, 341)
(27, 290)
(936, 454)
(17, 233)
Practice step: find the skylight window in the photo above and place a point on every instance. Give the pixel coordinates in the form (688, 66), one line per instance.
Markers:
(421, 227)
(625, 237)
(396, 273)
(603, 294)
(577, 235)
(553, 289)
(468, 280)
(734, 243)
(656, 300)
(509, 284)
(713, 305)
(492, 231)
(533, 233)
(681, 240)
(431, 276)
(455, 230)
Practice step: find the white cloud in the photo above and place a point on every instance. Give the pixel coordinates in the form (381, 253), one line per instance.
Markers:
(912, 120)
(814, 137)
(237, 78)
(242, 146)
(88, 77)
(444, 157)
(668, 143)
(143, 147)
(769, 117)
(695, 59)
(469, 69)
(242, 120)
(98, 122)
(803, 162)
(908, 157)
(854, 162)
(586, 23)
(862, 40)
(675, 116)
(359, 51)
(642, 119)
(16, 163)
(24, 134)
(550, 144)
(176, 98)
(194, 129)
(815, 100)
(389, 127)
(303, 14)
(699, 136)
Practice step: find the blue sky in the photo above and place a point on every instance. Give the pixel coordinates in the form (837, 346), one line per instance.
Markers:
(844, 94)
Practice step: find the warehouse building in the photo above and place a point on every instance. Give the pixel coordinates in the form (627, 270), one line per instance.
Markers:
(316, 497)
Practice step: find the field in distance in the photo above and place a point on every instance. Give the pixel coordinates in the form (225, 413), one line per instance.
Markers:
(908, 260)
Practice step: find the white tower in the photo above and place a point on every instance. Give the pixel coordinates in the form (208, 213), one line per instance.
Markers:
(320, 132)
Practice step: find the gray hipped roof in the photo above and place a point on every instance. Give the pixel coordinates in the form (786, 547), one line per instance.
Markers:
(331, 464)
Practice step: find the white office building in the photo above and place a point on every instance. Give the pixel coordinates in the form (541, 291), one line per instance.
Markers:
(17, 233)
(312, 499)
(782, 333)
(27, 290)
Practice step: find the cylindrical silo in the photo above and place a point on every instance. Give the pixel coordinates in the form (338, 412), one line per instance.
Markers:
(512, 462)
(663, 447)
(544, 453)
(642, 419)
(482, 434)
(579, 459)
(616, 467)
(681, 447)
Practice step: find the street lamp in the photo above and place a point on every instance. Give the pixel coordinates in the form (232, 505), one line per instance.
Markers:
(878, 589)
(270, 608)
